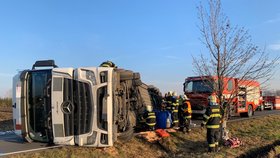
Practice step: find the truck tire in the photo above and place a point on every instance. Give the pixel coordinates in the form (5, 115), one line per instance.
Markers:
(250, 111)
(145, 96)
(129, 132)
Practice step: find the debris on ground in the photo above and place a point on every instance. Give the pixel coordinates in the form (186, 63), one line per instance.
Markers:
(150, 136)
(233, 142)
(162, 133)
(170, 130)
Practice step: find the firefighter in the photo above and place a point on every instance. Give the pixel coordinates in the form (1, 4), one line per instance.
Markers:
(212, 119)
(149, 118)
(168, 100)
(185, 114)
(175, 107)
(108, 64)
(168, 103)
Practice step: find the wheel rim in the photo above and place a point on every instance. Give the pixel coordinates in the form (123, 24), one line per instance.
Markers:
(250, 111)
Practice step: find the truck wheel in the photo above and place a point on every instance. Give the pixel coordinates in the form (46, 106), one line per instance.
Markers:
(128, 133)
(250, 111)
(262, 108)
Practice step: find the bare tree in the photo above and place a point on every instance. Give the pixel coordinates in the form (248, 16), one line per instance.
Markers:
(231, 52)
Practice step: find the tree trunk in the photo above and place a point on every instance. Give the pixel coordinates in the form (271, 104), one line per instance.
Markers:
(224, 130)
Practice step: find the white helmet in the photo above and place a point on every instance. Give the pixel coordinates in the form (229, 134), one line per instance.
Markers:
(149, 108)
(185, 97)
(169, 93)
(174, 93)
(212, 99)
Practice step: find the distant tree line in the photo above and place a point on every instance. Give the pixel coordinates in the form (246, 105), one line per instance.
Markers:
(5, 101)
(271, 93)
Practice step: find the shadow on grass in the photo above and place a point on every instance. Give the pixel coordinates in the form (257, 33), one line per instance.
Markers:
(182, 147)
(261, 151)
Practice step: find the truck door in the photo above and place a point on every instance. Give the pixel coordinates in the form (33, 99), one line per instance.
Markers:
(62, 106)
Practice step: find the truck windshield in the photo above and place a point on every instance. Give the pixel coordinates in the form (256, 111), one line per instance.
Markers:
(38, 103)
(199, 86)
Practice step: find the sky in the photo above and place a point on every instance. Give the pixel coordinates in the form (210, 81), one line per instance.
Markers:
(156, 38)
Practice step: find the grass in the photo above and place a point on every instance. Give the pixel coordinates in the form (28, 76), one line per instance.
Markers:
(260, 134)
(5, 102)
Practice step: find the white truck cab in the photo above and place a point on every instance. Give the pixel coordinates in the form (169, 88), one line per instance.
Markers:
(86, 106)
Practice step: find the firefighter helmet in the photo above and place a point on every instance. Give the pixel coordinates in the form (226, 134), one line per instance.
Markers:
(212, 99)
(108, 64)
(174, 94)
(169, 93)
(149, 108)
(185, 97)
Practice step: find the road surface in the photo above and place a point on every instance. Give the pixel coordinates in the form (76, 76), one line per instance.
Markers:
(12, 144)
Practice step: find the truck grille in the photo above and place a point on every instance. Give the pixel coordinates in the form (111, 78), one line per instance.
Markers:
(68, 96)
(83, 107)
(198, 104)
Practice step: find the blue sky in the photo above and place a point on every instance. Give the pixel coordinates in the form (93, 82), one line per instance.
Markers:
(156, 38)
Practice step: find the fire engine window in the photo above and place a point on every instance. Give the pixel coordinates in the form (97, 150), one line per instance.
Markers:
(230, 84)
(102, 95)
(199, 86)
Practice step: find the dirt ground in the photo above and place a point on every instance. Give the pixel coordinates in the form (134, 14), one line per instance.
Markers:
(257, 135)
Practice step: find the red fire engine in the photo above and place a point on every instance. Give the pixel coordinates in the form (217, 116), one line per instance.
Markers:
(243, 96)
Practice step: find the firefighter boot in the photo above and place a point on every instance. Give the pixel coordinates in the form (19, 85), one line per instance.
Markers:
(217, 148)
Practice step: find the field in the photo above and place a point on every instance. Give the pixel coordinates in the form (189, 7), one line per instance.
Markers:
(261, 138)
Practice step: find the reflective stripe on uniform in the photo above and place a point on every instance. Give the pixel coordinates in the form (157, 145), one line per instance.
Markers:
(151, 113)
(150, 117)
(105, 65)
(151, 124)
(212, 145)
(203, 122)
(206, 117)
(215, 115)
(217, 143)
(175, 121)
(213, 126)
(175, 110)
(188, 117)
(215, 110)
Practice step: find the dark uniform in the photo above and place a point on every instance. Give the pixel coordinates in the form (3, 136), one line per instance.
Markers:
(169, 107)
(150, 120)
(174, 114)
(212, 119)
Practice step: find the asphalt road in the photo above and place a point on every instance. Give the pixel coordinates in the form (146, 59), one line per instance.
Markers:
(12, 144)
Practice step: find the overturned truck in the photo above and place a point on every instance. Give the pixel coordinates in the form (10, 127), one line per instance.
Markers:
(86, 106)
